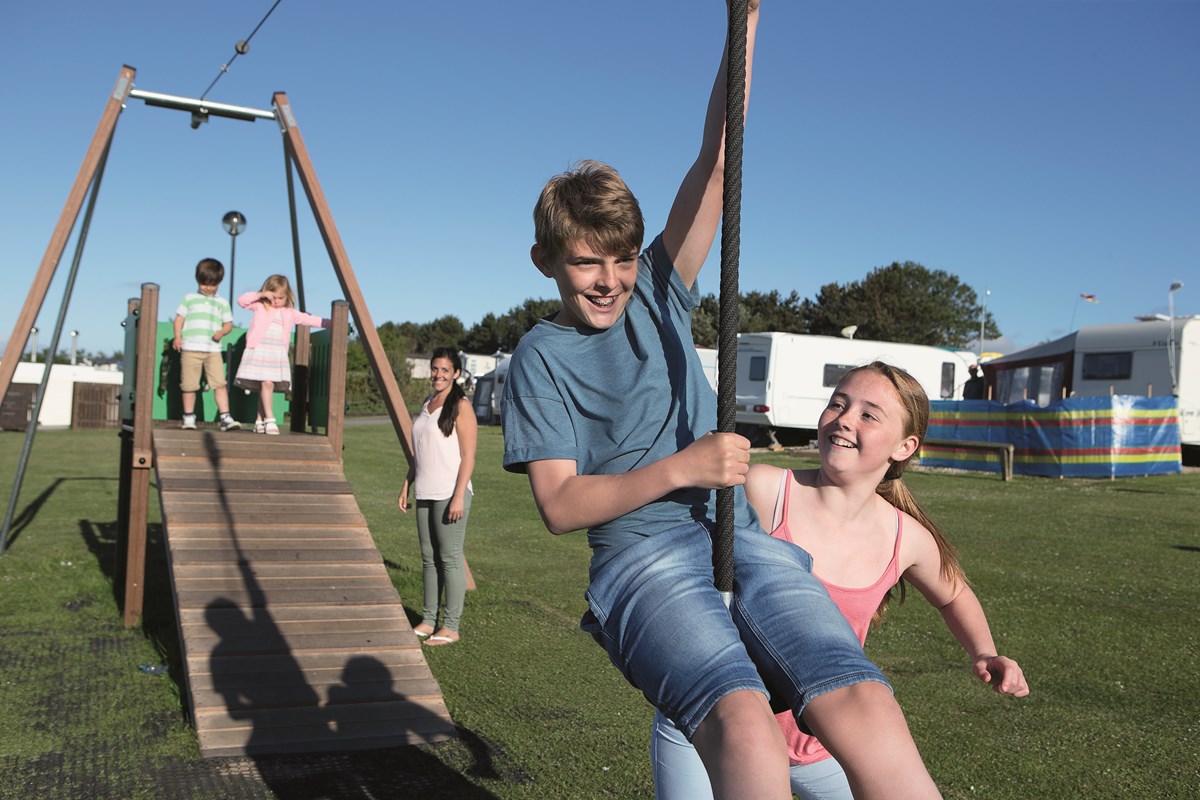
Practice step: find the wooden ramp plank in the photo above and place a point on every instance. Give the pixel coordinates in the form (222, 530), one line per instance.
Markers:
(394, 658)
(221, 517)
(293, 637)
(383, 616)
(213, 555)
(240, 532)
(250, 482)
(240, 444)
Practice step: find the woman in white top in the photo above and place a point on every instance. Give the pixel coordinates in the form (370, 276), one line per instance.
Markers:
(444, 435)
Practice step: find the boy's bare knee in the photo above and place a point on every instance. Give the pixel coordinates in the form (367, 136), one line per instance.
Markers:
(864, 728)
(854, 706)
(741, 718)
(742, 748)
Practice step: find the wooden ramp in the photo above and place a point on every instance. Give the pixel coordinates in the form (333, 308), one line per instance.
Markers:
(293, 637)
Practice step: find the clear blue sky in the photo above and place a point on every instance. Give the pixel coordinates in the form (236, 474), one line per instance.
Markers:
(1036, 148)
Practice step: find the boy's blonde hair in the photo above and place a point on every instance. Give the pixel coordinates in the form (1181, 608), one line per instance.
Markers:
(590, 202)
(279, 283)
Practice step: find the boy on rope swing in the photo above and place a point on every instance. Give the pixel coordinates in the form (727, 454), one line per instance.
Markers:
(607, 409)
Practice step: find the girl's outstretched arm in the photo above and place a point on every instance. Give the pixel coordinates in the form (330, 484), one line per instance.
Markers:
(965, 618)
(961, 610)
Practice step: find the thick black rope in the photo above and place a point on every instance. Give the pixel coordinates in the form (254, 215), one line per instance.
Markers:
(731, 236)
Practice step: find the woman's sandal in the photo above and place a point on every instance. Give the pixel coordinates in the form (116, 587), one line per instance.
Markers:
(422, 634)
(441, 640)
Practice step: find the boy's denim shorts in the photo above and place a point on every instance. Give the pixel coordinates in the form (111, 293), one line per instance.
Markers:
(656, 611)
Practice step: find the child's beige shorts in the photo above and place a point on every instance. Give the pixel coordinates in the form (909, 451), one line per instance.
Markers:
(191, 362)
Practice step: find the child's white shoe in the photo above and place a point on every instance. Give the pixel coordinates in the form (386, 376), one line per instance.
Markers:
(189, 422)
(259, 427)
(270, 428)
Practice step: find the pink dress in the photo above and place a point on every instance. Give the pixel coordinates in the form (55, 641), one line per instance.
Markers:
(267, 343)
(269, 360)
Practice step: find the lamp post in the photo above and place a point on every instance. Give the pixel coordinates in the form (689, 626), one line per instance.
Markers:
(982, 319)
(33, 345)
(1175, 287)
(74, 342)
(234, 222)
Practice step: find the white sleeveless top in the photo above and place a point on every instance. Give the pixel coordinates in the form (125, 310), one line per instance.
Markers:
(436, 456)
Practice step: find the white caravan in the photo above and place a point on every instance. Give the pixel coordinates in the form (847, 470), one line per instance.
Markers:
(1131, 358)
(708, 361)
(489, 388)
(784, 379)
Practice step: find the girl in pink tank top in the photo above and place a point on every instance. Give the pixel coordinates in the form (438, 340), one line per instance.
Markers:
(866, 535)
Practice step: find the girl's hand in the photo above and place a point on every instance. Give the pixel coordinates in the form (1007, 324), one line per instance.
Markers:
(1003, 674)
(454, 512)
(402, 500)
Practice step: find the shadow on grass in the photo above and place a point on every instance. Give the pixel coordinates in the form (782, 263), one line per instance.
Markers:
(29, 513)
(158, 612)
(400, 773)
(1187, 548)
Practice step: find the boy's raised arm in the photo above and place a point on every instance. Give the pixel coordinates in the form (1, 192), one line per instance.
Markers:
(696, 212)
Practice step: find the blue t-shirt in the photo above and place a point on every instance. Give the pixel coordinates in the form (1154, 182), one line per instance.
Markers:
(616, 400)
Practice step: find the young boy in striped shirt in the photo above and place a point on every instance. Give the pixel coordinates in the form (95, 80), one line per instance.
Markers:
(201, 321)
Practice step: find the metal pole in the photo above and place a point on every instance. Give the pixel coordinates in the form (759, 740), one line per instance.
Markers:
(31, 429)
(291, 192)
(1171, 355)
(982, 319)
(232, 258)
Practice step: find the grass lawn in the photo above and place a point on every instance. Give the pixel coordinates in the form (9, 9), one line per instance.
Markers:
(1091, 585)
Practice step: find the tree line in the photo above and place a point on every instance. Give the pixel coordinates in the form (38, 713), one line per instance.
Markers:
(900, 302)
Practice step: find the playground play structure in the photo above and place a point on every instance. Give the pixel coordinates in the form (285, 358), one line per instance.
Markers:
(293, 638)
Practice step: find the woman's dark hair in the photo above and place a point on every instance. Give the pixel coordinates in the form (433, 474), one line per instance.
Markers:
(450, 407)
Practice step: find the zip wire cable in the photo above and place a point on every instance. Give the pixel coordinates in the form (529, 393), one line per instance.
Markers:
(240, 49)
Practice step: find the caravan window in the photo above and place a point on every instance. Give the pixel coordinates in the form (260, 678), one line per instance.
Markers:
(1107, 366)
(834, 374)
(758, 368)
(1041, 383)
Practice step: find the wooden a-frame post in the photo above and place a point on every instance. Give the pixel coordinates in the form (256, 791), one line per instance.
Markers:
(376, 355)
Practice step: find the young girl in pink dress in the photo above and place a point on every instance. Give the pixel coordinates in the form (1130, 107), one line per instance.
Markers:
(265, 365)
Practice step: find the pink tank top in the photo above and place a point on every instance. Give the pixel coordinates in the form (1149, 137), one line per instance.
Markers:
(857, 605)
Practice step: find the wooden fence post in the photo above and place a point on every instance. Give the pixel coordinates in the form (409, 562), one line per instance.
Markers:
(142, 458)
(339, 334)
